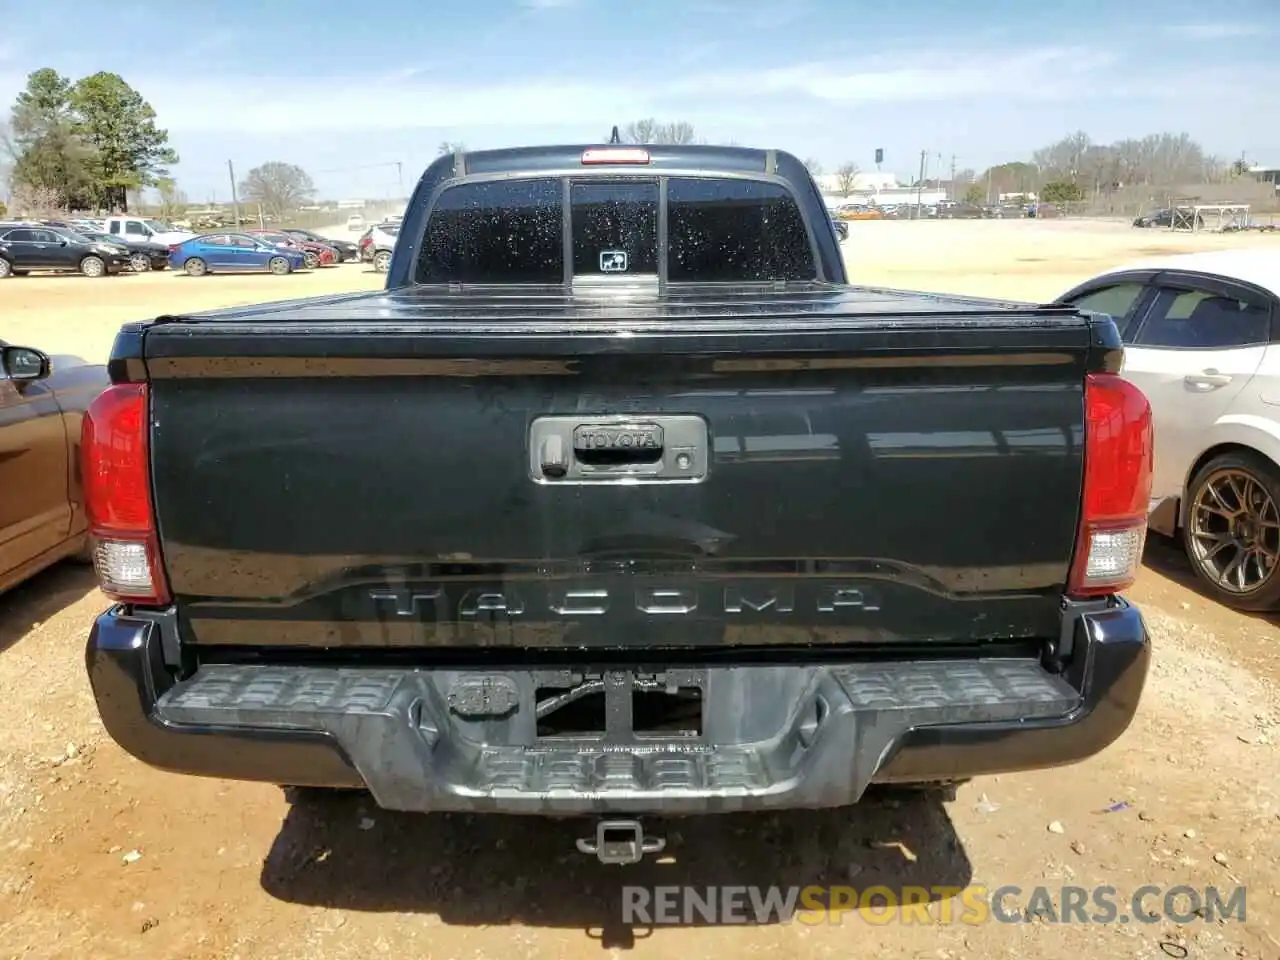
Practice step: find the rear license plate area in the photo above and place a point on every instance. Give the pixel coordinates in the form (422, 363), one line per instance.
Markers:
(621, 706)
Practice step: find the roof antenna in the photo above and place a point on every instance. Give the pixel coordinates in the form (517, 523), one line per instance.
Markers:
(613, 137)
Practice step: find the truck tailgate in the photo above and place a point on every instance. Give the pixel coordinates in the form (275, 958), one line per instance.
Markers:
(816, 467)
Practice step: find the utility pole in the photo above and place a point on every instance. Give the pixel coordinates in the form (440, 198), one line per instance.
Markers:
(235, 201)
(951, 191)
(399, 181)
(920, 183)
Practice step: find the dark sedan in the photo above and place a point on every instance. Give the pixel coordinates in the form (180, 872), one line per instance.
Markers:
(143, 254)
(841, 227)
(42, 401)
(344, 249)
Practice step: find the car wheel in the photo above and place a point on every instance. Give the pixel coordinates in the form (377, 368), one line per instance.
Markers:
(195, 267)
(1232, 530)
(279, 266)
(382, 261)
(140, 262)
(6, 268)
(310, 260)
(92, 266)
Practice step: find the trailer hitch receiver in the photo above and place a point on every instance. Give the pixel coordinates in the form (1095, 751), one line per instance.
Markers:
(620, 841)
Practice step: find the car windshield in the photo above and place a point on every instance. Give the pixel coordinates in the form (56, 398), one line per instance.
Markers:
(159, 226)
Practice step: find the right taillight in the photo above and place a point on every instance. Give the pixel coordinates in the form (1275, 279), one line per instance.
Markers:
(1117, 486)
(115, 467)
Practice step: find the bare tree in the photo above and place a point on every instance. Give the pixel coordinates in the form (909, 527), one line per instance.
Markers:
(846, 177)
(173, 202)
(1012, 178)
(813, 166)
(279, 187)
(651, 131)
(39, 202)
(9, 151)
(1163, 159)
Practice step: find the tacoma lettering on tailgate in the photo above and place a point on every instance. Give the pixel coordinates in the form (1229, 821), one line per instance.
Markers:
(441, 602)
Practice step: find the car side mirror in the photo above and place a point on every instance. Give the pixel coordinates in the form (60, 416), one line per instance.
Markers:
(24, 364)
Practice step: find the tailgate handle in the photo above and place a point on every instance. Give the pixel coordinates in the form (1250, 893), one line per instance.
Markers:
(613, 448)
(618, 444)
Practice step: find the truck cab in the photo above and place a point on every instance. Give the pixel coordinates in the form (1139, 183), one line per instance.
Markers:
(146, 229)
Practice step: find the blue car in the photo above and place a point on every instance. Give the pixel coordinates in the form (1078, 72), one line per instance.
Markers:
(232, 253)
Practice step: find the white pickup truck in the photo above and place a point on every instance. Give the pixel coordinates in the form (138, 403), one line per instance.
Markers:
(142, 228)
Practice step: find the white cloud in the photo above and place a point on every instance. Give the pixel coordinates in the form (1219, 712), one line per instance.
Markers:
(1047, 73)
(1217, 31)
(208, 43)
(743, 99)
(408, 98)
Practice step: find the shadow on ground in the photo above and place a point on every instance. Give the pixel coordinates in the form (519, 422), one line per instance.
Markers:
(1166, 557)
(41, 597)
(488, 869)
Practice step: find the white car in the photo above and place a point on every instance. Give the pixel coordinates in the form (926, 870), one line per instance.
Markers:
(379, 244)
(1202, 341)
(355, 222)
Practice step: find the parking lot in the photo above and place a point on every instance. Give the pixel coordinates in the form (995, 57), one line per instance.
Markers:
(103, 857)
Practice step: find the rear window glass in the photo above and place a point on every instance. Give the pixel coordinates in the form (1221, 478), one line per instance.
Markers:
(1117, 301)
(504, 232)
(615, 227)
(735, 230)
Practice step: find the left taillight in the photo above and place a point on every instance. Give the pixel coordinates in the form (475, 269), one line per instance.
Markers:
(115, 467)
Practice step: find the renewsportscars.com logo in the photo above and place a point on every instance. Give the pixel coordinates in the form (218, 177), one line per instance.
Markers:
(975, 904)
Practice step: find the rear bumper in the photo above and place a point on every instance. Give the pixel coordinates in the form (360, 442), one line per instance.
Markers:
(425, 740)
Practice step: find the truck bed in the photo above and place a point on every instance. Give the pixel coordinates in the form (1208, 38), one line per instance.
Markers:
(869, 467)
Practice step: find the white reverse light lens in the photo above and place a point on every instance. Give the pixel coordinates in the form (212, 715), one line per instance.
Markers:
(123, 567)
(1114, 555)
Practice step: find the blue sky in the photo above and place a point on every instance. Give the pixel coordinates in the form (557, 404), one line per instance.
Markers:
(347, 90)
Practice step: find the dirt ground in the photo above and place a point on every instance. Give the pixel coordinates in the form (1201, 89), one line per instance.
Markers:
(103, 857)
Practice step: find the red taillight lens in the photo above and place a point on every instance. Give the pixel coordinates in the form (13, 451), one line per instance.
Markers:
(173, 247)
(1117, 486)
(115, 468)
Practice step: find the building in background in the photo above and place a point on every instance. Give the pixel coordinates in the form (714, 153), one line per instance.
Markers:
(876, 188)
(1269, 175)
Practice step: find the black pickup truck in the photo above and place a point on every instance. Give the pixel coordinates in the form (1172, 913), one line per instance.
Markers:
(617, 500)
